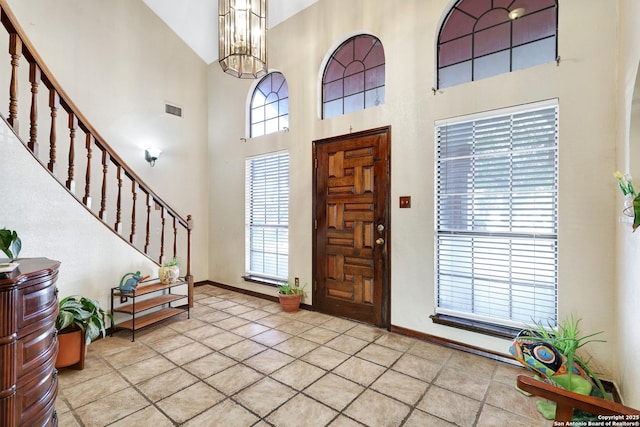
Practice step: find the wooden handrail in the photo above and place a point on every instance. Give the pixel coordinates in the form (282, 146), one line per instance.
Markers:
(113, 171)
(567, 400)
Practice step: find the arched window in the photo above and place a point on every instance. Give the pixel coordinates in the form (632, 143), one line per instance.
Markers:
(483, 38)
(354, 77)
(270, 105)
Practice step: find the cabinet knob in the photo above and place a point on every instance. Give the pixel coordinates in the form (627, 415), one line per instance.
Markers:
(54, 374)
(54, 334)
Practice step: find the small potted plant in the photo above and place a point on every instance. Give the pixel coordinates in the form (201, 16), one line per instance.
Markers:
(80, 321)
(10, 244)
(169, 272)
(290, 296)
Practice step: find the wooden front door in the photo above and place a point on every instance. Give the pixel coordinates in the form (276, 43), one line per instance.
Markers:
(351, 244)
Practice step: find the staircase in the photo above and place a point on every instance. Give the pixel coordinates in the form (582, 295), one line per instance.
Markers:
(63, 141)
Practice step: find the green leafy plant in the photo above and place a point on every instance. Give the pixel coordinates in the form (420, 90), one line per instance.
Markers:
(10, 243)
(567, 340)
(76, 312)
(173, 262)
(288, 289)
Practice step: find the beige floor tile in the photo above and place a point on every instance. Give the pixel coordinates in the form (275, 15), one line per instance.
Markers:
(157, 388)
(324, 357)
(112, 345)
(237, 309)
(395, 341)
(220, 341)
(149, 334)
(465, 383)
(359, 370)
(300, 408)
(109, 409)
(209, 300)
(494, 417)
(133, 355)
(482, 367)
(505, 396)
(213, 316)
(243, 350)
(450, 406)
(96, 388)
(203, 332)
(209, 365)
(184, 325)
(298, 374)
(417, 367)
(149, 416)
(273, 320)
(67, 419)
(264, 396)
(399, 386)
(320, 335)
(294, 327)
(378, 354)
(364, 332)
(342, 421)
(296, 346)
(61, 404)
(254, 314)
(339, 325)
(268, 361)
(188, 353)
(334, 391)
(507, 374)
(93, 367)
(190, 402)
(250, 329)
(223, 303)
(171, 342)
(422, 419)
(347, 344)
(374, 409)
(234, 379)
(271, 337)
(313, 317)
(226, 413)
(429, 351)
(146, 369)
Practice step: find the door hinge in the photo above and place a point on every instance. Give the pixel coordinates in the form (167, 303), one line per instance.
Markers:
(315, 163)
(315, 224)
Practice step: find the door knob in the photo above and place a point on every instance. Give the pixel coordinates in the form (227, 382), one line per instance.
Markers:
(380, 228)
(380, 241)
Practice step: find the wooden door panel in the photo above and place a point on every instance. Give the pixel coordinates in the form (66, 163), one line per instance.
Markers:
(351, 199)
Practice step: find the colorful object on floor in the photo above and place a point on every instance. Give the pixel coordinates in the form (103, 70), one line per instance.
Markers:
(548, 363)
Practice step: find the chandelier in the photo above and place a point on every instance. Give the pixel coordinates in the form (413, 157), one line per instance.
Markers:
(242, 30)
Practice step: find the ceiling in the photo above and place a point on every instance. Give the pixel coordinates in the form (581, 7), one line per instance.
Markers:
(196, 21)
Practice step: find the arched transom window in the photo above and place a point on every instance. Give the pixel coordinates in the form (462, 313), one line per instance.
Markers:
(483, 38)
(270, 105)
(354, 77)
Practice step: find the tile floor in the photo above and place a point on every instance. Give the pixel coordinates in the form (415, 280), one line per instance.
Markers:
(241, 361)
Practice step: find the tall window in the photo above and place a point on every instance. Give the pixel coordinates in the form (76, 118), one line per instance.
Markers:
(354, 77)
(270, 105)
(496, 216)
(267, 216)
(480, 39)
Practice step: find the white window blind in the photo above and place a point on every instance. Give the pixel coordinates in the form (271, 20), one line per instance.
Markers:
(267, 216)
(496, 217)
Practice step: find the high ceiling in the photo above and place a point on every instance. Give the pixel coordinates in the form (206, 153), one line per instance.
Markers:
(196, 21)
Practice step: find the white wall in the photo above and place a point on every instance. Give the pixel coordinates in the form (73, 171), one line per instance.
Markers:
(628, 243)
(584, 83)
(120, 64)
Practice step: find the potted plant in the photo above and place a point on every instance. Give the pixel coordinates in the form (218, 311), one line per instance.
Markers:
(10, 243)
(290, 296)
(169, 271)
(80, 321)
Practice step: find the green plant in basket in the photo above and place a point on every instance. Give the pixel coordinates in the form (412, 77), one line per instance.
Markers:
(288, 289)
(76, 312)
(10, 243)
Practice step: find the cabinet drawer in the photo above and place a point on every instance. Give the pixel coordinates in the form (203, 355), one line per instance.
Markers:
(38, 306)
(35, 399)
(35, 351)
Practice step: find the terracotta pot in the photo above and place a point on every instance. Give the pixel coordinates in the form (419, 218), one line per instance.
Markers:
(290, 303)
(71, 350)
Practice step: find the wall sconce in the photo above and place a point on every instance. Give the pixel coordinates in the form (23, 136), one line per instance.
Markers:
(151, 155)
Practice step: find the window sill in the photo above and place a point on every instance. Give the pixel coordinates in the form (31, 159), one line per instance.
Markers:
(505, 332)
(262, 280)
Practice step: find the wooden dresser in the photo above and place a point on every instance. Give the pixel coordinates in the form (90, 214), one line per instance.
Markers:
(28, 344)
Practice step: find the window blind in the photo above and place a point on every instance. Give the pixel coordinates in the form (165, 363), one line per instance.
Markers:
(267, 216)
(496, 217)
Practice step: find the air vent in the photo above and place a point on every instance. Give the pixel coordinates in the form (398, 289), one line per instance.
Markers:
(172, 109)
